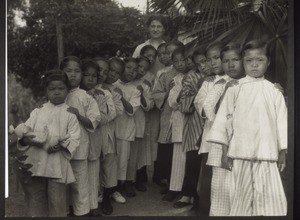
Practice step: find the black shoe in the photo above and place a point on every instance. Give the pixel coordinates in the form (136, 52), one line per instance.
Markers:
(170, 196)
(107, 208)
(95, 213)
(179, 204)
(159, 182)
(164, 190)
(129, 190)
(140, 187)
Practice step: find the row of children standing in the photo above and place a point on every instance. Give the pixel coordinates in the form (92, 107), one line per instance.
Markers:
(206, 144)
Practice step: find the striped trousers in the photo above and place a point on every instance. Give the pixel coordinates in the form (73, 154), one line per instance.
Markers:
(256, 189)
(93, 169)
(178, 167)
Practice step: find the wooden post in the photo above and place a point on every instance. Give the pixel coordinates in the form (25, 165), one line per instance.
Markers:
(59, 37)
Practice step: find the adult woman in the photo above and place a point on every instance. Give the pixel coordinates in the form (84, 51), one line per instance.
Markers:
(157, 27)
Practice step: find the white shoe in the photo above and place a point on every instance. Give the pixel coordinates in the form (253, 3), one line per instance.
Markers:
(118, 197)
(100, 198)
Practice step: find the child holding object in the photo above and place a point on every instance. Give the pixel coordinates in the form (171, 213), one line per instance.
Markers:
(49, 138)
(251, 124)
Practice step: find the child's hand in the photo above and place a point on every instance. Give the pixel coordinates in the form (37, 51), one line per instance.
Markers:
(226, 162)
(221, 81)
(146, 82)
(281, 160)
(279, 87)
(73, 110)
(106, 88)
(29, 140)
(99, 92)
(140, 88)
(171, 85)
(118, 90)
(210, 78)
(54, 149)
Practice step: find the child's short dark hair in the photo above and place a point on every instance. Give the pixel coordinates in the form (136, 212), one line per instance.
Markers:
(175, 42)
(217, 44)
(117, 61)
(146, 48)
(55, 75)
(231, 46)
(100, 59)
(67, 59)
(257, 44)
(200, 50)
(179, 50)
(130, 59)
(158, 17)
(161, 45)
(89, 63)
(142, 58)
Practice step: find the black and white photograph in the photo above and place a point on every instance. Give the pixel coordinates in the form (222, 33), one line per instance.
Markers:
(147, 108)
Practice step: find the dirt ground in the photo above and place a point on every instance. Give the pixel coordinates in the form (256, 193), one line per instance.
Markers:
(144, 204)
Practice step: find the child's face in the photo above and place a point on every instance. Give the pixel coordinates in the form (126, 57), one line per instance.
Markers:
(131, 70)
(56, 92)
(179, 63)
(214, 60)
(163, 56)
(143, 67)
(156, 29)
(232, 64)
(73, 72)
(114, 73)
(202, 64)
(103, 71)
(189, 63)
(151, 55)
(255, 62)
(90, 78)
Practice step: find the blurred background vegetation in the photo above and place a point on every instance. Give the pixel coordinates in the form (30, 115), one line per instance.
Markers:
(89, 28)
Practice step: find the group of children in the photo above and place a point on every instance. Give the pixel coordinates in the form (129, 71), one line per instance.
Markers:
(214, 127)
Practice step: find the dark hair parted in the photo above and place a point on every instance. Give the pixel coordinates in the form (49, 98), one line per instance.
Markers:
(215, 45)
(175, 42)
(179, 50)
(147, 48)
(158, 17)
(231, 46)
(142, 58)
(89, 63)
(117, 61)
(100, 59)
(200, 50)
(55, 75)
(257, 44)
(67, 59)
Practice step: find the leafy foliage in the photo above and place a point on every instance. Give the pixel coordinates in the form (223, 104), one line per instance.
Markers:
(240, 21)
(90, 28)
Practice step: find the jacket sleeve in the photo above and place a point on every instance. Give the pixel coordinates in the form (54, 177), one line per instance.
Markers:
(135, 101)
(72, 142)
(159, 92)
(200, 98)
(281, 121)
(93, 113)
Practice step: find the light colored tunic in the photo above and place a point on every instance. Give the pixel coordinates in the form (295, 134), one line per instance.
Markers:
(87, 107)
(125, 125)
(201, 101)
(160, 95)
(60, 122)
(101, 137)
(259, 120)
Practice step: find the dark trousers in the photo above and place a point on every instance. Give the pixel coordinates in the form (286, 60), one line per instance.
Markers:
(164, 161)
(192, 170)
(204, 185)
